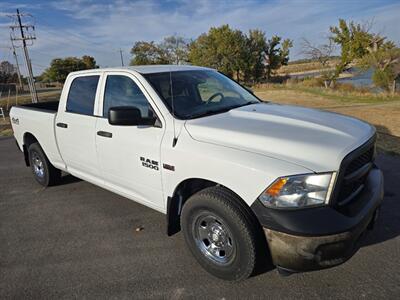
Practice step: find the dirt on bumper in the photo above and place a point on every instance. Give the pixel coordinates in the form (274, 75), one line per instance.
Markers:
(305, 253)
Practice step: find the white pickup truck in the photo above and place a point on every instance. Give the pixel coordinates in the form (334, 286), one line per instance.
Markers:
(243, 179)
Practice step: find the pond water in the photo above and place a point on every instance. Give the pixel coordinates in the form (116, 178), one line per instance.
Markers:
(360, 78)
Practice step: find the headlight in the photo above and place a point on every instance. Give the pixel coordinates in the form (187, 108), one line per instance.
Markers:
(299, 191)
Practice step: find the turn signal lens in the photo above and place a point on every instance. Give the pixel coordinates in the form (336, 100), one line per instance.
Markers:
(299, 191)
(276, 187)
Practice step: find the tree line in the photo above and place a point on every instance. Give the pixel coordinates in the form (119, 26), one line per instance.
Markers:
(251, 57)
(8, 73)
(247, 57)
(61, 67)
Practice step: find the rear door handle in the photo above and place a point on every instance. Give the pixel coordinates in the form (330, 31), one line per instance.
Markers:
(62, 125)
(105, 134)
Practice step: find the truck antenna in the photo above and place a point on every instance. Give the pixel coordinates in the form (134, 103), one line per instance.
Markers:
(173, 109)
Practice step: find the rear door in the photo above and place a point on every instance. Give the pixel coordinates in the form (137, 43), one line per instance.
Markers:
(76, 125)
(130, 155)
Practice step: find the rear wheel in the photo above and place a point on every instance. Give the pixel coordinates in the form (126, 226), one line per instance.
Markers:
(43, 171)
(219, 234)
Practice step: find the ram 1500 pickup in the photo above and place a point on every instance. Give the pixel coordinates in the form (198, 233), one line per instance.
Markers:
(244, 179)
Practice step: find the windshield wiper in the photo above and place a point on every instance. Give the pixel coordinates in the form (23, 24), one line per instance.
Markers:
(211, 112)
(245, 104)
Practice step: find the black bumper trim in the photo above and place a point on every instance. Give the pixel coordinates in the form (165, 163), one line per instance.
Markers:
(326, 220)
(301, 254)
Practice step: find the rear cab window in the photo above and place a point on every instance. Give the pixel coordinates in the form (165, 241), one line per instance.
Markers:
(82, 95)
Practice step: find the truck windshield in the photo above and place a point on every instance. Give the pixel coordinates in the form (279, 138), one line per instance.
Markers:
(194, 94)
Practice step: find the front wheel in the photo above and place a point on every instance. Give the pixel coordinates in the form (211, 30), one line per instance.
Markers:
(219, 234)
(43, 171)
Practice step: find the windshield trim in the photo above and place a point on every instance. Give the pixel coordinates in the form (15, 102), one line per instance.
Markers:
(174, 115)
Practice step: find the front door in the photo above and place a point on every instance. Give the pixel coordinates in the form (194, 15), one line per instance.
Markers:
(130, 155)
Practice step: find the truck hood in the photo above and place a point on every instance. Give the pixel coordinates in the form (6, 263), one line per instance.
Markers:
(314, 139)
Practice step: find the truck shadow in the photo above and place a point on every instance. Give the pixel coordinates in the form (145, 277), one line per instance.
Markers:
(68, 179)
(388, 224)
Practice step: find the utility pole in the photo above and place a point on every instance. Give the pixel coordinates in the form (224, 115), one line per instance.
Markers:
(17, 64)
(122, 58)
(24, 38)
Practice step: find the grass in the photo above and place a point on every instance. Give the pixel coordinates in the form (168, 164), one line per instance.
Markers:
(340, 96)
(26, 98)
(301, 67)
(5, 125)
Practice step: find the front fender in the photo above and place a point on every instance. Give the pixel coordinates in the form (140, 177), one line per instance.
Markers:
(245, 173)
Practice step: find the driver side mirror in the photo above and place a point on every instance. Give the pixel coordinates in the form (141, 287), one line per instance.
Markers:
(128, 116)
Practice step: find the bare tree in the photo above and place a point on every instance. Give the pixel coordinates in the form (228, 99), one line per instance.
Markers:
(320, 53)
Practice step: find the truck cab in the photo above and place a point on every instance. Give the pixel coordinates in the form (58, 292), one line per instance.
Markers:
(239, 176)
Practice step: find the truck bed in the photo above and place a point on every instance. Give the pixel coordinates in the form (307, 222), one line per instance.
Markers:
(48, 106)
(37, 120)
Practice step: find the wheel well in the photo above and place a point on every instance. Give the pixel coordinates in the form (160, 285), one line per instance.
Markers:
(182, 193)
(29, 139)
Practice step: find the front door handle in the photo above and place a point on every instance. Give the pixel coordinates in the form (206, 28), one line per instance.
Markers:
(62, 125)
(105, 134)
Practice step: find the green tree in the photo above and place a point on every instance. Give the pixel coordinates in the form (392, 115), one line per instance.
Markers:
(8, 73)
(221, 48)
(176, 49)
(148, 53)
(276, 56)
(61, 67)
(254, 60)
(385, 60)
(354, 40)
(89, 62)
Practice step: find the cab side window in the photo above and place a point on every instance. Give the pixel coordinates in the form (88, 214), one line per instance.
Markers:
(122, 91)
(82, 95)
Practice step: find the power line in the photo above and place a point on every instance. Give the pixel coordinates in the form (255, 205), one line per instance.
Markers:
(17, 64)
(27, 33)
(79, 39)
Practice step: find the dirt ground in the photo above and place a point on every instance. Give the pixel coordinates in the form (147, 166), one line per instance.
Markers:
(385, 116)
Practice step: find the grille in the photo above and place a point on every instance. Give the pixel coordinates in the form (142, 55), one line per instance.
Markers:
(360, 161)
(355, 169)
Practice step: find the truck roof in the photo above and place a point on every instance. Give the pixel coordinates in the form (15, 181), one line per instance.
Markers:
(148, 69)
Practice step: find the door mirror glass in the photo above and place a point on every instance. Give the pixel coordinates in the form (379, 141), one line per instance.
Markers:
(128, 116)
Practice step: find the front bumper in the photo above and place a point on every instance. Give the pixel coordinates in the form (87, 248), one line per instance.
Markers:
(317, 238)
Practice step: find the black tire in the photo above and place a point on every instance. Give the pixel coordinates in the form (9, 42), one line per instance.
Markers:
(43, 171)
(238, 233)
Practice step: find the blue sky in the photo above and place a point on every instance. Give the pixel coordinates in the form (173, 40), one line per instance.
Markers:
(100, 28)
